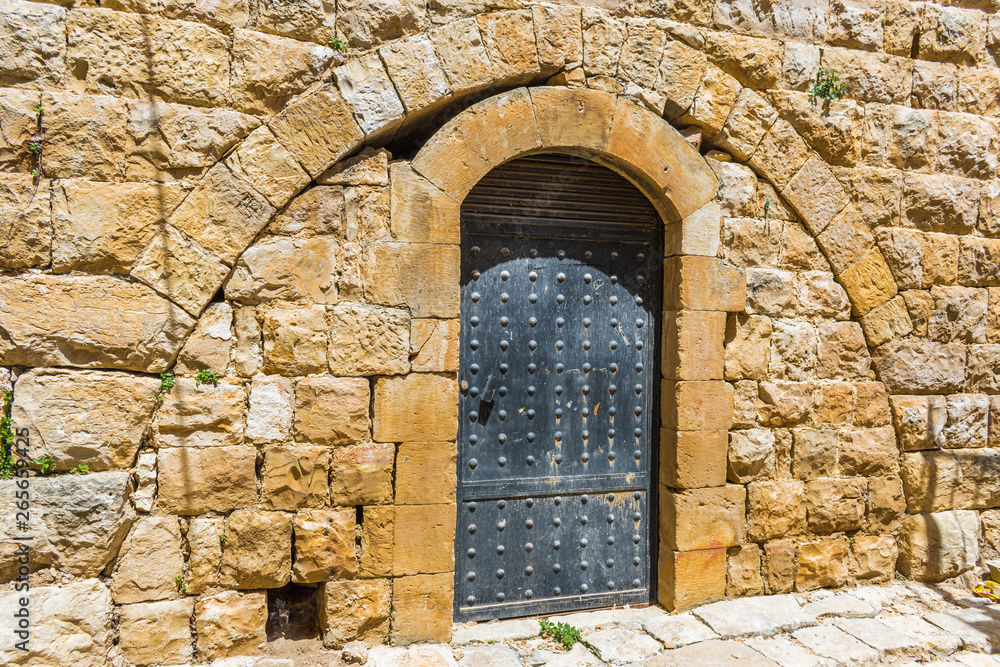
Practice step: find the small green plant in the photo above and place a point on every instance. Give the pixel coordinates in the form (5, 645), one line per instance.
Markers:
(206, 376)
(181, 586)
(563, 633)
(166, 384)
(45, 465)
(828, 85)
(222, 538)
(337, 44)
(6, 438)
(36, 145)
(82, 469)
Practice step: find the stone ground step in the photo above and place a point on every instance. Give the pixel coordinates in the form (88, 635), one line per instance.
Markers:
(760, 616)
(621, 646)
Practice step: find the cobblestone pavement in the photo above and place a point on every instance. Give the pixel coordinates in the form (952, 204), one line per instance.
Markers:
(897, 624)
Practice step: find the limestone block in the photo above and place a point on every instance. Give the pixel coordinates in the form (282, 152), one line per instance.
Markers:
(979, 261)
(916, 366)
(693, 345)
(603, 36)
(92, 417)
(424, 535)
(318, 129)
(204, 538)
(872, 77)
(678, 76)
(703, 283)
(968, 421)
(937, 546)
(422, 607)
(294, 477)
(370, 94)
(886, 504)
(170, 141)
(745, 403)
(193, 480)
(951, 34)
(71, 624)
(751, 242)
(832, 404)
(288, 269)
(313, 21)
(802, 20)
(145, 472)
(509, 38)
(20, 123)
(785, 403)
(267, 71)
(822, 564)
(738, 189)
(110, 51)
(845, 239)
(34, 52)
(201, 415)
(210, 343)
(755, 62)
(981, 370)
(855, 25)
(743, 571)
(779, 566)
(902, 20)
(423, 276)
(434, 345)
(780, 154)
(869, 453)
(842, 352)
(377, 534)
(247, 359)
(365, 25)
(873, 557)
(641, 51)
(295, 338)
(421, 213)
(816, 194)
(155, 633)
(751, 118)
(417, 407)
(368, 167)
(868, 282)
(814, 454)
(990, 522)
(820, 295)
(834, 505)
(939, 203)
(935, 480)
(771, 292)
(886, 322)
(258, 550)
(230, 623)
(875, 193)
(751, 455)
(936, 85)
(78, 139)
(693, 459)
(775, 509)
(149, 562)
(40, 314)
(920, 421)
(462, 55)
(871, 405)
(690, 578)
(793, 350)
(558, 36)
(900, 137)
(354, 610)
(26, 205)
(324, 546)
(747, 346)
(702, 518)
(697, 405)
(332, 411)
(368, 340)
(425, 473)
(361, 475)
(977, 91)
(966, 145)
(989, 207)
(268, 166)
(316, 211)
(799, 251)
(366, 213)
(587, 127)
(713, 102)
(78, 522)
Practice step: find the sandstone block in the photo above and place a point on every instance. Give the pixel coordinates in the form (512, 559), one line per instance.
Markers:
(939, 480)
(270, 415)
(41, 314)
(354, 610)
(693, 459)
(816, 194)
(361, 474)
(316, 211)
(785, 403)
(287, 269)
(416, 72)
(888, 321)
(751, 118)
(693, 345)
(775, 509)
(423, 539)
(936, 546)
(324, 546)
(641, 51)
(875, 193)
(20, 125)
(747, 346)
(294, 477)
(751, 242)
(814, 454)
(939, 203)
(332, 411)
(982, 362)
(868, 282)
(149, 562)
(558, 36)
(689, 578)
(697, 405)
(590, 125)
(702, 518)
(869, 453)
(745, 403)
(968, 421)
(368, 340)
(779, 566)
(92, 417)
(421, 213)
(377, 534)
(369, 167)
(425, 473)
(845, 239)
(713, 102)
(793, 350)
(417, 407)
(822, 564)
(204, 539)
(209, 345)
(370, 94)
(964, 146)
(871, 405)
(771, 292)
(434, 345)
(194, 480)
(267, 71)
(155, 633)
(422, 607)
(832, 404)
(873, 557)
(951, 34)
(201, 415)
(509, 38)
(317, 129)
(295, 338)
(422, 276)
(751, 455)
(27, 206)
(834, 505)
(34, 45)
(842, 352)
(820, 295)
(462, 54)
(145, 472)
(979, 261)
(365, 26)
(920, 421)
(258, 550)
(885, 503)
(79, 140)
(264, 163)
(230, 623)
(917, 366)
(743, 571)
(780, 154)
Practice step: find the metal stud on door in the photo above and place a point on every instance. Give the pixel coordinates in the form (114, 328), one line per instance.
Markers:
(561, 271)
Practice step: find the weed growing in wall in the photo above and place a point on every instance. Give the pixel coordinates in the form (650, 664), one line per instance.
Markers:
(337, 44)
(563, 633)
(6, 438)
(828, 85)
(207, 376)
(166, 384)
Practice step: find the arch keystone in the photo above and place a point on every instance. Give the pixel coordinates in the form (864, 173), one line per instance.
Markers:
(573, 117)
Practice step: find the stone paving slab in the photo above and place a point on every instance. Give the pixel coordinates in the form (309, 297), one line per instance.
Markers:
(713, 653)
(891, 645)
(979, 628)
(787, 653)
(844, 606)
(680, 630)
(938, 641)
(622, 646)
(589, 620)
(578, 656)
(494, 655)
(760, 616)
(834, 643)
(498, 631)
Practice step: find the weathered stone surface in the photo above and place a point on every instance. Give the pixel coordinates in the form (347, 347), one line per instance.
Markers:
(693, 345)
(34, 51)
(63, 321)
(763, 616)
(78, 141)
(324, 546)
(368, 340)
(434, 345)
(71, 624)
(770, 292)
(697, 405)
(210, 343)
(268, 70)
(78, 522)
(377, 535)
(693, 459)
(679, 630)
(713, 652)
(416, 72)
(751, 455)
(743, 571)
(287, 269)
(199, 415)
(831, 642)
(422, 606)
(622, 646)
(751, 118)
(264, 163)
(91, 417)
(150, 559)
(952, 35)
(462, 54)
(885, 503)
(822, 564)
(422, 276)
(366, 25)
(269, 418)
(868, 453)
(913, 366)
(361, 475)
(294, 477)
(873, 558)
(354, 610)
(703, 518)
(939, 545)
(981, 370)
(939, 641)
(369, 92)
(26, 206)
(963, 479)
(417, 407)
(425, 473)
(775, 509)
(247, 357)
(332, 411)
(920, 421)
(316, 211)
(20, 124)
(868, 282)
(204, 538)
(939, 203)
(153, 633)
(979, 261)
(690, 578)
(258, 550)
(295, 338)
(793, 350)
(713, 102)
(230, 623)
(423, 539)
(194, 480)
(834, 505)
(816, 194)
(747, 346)
(145, 472)
(318, 129)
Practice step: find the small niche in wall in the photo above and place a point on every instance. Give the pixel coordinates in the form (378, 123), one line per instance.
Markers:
(293, 613)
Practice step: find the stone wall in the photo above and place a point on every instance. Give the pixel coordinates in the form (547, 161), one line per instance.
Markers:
(211, 193)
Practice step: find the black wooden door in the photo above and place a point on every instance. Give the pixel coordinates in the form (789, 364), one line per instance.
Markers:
(562, 272)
